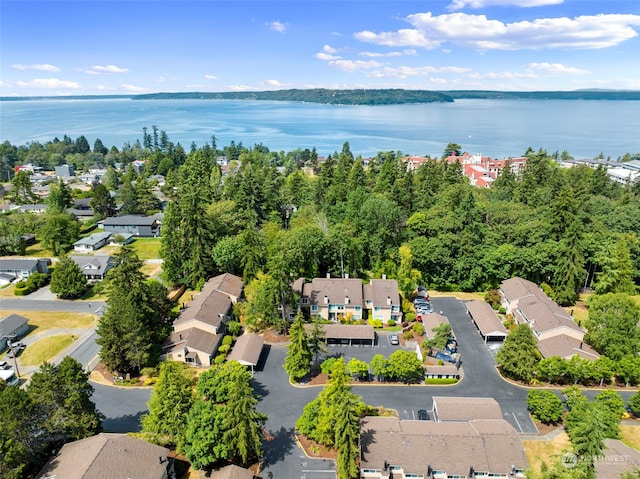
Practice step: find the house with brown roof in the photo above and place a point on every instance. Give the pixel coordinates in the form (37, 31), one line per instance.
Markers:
(198, 331)
(431, 321)
(486, 320)
(108, 456)
(557, 333)
(336, 298)
(391, 448)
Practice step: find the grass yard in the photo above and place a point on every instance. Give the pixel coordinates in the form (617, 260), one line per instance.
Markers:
(7, 291)
(147, 248)
(43, 320)
(546, 451)
(152, 270)
(46, 349)
(630, 435)
(457, 294)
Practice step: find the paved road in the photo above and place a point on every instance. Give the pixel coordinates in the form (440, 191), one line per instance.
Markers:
(122, 407)
(11, 304)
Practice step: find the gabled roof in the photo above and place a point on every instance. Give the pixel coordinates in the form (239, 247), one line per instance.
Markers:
(10, 323)
(11, 264)
(92, 239)
(379, 291)
(192, 339)
(335, 289)
(96, 264)
(108, 456)
(431, 321)
(518, 288)
(566, 346)
(207, 308)
(546, 315)
(247, 349)
(487, 445)
(466, 408)
(232, 472)
(226, 283)
(127, 220)
(485, 318)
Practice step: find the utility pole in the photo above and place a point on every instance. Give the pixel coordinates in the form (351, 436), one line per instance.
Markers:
(13, 354)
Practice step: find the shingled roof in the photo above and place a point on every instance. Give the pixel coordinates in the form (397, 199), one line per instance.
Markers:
(247, 349)
(108, 456)
(485, 318)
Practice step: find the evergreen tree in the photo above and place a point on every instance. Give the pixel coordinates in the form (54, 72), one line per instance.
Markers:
(59, 232)
(67, 280)
(169, 406)
(59, 198)
(102, 202)
(570, 271)
(297, 363)
(519, 356)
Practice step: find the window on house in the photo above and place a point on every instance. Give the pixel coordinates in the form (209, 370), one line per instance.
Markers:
(314, 307)
(304, 300)
(368, 303)
(377, 308)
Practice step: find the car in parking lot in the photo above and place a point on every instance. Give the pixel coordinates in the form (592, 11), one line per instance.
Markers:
(423, 415)
(393, 339)
(4, 365)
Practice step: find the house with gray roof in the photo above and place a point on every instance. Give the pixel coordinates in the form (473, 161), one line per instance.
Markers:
(137, 225)
(94, 268)
(450, 408)
(109, 456)
(393, 448)
(231, 472)
(24, 267)
(12, 326)
(198, 331)
(92, 242)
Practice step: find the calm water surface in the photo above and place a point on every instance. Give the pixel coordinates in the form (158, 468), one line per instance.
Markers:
(495, 128)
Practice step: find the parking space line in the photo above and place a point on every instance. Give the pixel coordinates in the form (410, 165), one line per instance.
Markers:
(517, 422)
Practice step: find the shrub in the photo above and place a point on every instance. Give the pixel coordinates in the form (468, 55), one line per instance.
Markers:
(21, 284)
(410, 317)
(227, 341)
(502, 310)
(24, 290)
(376, 323)
(545, 406)
(418, 328)
(407, 335)
(38, 280)
(224, 348)
(219, 359)
(493, 298)
(440, 381)
(327, 365)
(391, 323)
(634, 404)
(234, 327)
(150, 372)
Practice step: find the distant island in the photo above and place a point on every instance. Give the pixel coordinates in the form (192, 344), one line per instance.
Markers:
(360, 96)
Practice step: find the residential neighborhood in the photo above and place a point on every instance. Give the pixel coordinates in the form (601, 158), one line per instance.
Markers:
(411, 304)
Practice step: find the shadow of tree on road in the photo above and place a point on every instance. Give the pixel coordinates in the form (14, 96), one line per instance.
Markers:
(277, 446)
(128, 423)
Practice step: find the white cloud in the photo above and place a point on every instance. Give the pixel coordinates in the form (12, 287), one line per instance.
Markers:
(329, 49)
(459, 4)
(210, 77)
(480, 33)
(134, 88)
(98, 69)
(278, 26)
(406, 71)
(240, 88)
(48, 83)
(45, 67)
(353, 65)
(277, 84)
(554, 68)
(402, 53)
(326, 57)
(4, 84)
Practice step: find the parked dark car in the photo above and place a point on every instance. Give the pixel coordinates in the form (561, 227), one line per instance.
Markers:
(4, 365)
(423, 415)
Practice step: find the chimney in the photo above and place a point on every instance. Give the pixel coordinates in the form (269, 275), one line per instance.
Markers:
(326, 299)
(346, 299)
(388, 300)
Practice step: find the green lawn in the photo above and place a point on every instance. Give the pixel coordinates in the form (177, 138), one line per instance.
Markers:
(42, 320)
(147, 248)
(45, 349)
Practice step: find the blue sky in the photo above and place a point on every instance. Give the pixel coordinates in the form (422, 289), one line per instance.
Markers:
(114, 47)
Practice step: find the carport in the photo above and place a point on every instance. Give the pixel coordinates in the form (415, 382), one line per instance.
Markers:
(486, 320)
(247, 350)
(348, 334)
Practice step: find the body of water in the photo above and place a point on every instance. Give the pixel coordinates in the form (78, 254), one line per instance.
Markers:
(497, 128)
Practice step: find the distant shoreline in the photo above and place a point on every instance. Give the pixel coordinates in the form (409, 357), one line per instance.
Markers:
(359, 97)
